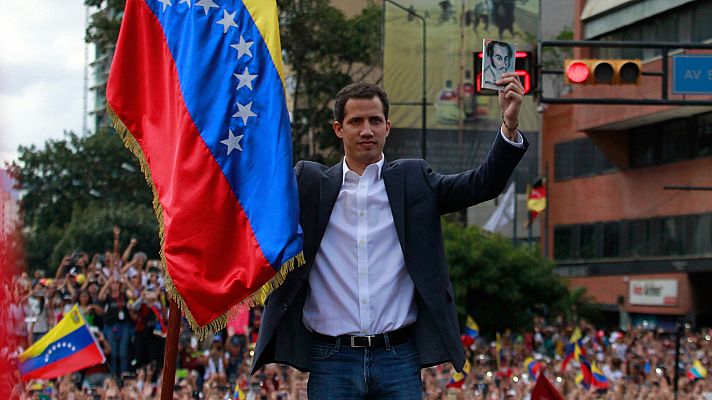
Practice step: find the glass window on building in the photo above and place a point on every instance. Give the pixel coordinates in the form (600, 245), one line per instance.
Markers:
(564, 159)
(703, 138)
(672, 231)
(611, 239)
(638, 238)
(701, 21)
(655, 239)
(667, 28)
(699, 228)
(563, 241)
(675, 140)
(683, 235)
(585, 164)
(689, 23)
(587, 241)
(643, 147)
(580, 158)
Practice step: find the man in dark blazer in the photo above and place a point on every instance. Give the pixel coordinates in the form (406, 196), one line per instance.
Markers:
(374, 303)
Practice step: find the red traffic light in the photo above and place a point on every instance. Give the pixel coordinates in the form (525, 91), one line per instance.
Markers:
(577, 72)
(602, 72)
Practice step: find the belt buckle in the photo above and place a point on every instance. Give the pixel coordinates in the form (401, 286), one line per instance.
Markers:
(369, 337)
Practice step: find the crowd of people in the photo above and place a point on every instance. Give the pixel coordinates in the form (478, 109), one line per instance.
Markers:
(122, 297)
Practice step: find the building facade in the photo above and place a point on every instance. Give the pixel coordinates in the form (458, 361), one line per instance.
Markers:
(612, 226)
(99, 69)
(9, 205)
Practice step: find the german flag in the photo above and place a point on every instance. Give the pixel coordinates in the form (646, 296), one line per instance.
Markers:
(536, 200)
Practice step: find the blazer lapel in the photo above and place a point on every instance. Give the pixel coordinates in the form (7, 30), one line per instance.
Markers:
(393, 180)
(329, 188)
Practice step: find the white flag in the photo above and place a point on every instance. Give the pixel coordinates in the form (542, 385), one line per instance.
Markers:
(504, 212)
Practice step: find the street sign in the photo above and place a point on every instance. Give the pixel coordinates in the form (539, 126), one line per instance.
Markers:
(692, 74)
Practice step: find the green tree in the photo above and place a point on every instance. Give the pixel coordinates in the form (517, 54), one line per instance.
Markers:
(325, 51)
(61, 182)
(578, 305)
(90, 229)
(500, 285)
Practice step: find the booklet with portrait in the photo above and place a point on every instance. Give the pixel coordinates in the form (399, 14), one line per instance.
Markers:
(498, 58)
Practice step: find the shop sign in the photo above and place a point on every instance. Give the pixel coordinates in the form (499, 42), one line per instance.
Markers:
(653, 292)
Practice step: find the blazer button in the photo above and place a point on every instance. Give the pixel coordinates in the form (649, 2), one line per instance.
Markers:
(284, 306)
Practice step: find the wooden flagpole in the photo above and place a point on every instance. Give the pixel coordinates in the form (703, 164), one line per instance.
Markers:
(171, 352)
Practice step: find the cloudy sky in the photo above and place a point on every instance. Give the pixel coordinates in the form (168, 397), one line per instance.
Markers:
(41, 72)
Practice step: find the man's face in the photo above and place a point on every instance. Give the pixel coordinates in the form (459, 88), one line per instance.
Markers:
(500, 58)
(363, 131)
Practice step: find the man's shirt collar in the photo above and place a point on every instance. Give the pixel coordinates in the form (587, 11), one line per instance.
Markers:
(378, 165)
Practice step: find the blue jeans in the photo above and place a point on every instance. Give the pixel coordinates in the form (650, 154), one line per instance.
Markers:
(118, 335)
(338, 371)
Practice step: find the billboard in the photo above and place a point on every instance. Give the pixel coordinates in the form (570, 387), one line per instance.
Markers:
(455, 30)
(461, 123)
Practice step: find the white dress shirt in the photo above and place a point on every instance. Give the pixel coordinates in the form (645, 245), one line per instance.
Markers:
(359, 284)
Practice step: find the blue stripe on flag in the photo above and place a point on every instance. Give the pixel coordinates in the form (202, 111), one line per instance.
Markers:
(262, 170)
(64, 347)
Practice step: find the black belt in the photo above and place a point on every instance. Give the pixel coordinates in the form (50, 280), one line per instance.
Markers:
(399, 336)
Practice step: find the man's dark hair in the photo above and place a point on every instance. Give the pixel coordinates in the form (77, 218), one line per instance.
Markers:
(358, 90)
(490, 48)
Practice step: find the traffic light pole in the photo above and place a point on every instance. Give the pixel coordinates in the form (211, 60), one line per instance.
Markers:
(663, 74)
(423, 103)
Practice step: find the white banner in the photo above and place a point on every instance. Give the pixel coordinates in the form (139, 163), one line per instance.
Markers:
(504, 211)
(653, 292)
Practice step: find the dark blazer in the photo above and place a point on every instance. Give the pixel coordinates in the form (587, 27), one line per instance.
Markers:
(418, 196)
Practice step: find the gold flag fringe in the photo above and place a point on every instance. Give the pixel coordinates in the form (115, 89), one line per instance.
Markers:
(256, 298)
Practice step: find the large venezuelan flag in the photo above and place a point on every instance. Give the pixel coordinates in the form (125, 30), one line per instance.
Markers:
(196, 92)
(66, 348)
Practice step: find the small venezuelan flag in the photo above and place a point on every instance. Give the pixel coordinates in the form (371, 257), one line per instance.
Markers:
(498, 351)
(238, 394)
(697, 371)
(575, 341)
(600, 381)
(458, 378)
(585, 376)
(471, 328)
(533, 366)
(66, 348)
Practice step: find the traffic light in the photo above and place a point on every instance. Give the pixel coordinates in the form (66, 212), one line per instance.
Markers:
(602, 72)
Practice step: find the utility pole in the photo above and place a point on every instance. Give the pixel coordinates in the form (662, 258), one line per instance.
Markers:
(423, 103)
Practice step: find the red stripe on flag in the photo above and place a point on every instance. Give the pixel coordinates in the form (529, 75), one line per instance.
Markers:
(84, 358)
(210, 248)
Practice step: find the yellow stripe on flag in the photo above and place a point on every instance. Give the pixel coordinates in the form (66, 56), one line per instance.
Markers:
(69, 323)
(472, 324)
(264, 13)
(537, 205)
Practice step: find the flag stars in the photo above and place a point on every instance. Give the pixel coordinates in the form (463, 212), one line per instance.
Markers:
(166, 3)
(207, 5)
(232, 142)
(243, 47)
(245, 79)
(185, 1)
(227, 21)
(244, 112)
